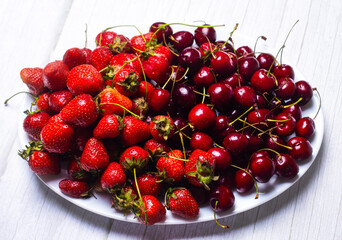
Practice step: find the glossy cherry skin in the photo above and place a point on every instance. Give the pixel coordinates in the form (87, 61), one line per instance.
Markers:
(158, 99)
(225, 47)
(190, 58)
(247, 67)
(305, 127)
(262, 168)
(223, 196)
(283, 70)
(234, 80)
(200, 140)
(243, 181)
(205, 34)
(221, 157)
(286, 125)
(255, 141)
(245, 96)
(304, 91)
(286, 166)
(236, 142)
(262, 82)
(261, 101)
(201, 116)
(294, 110)
(183, 96)
(220, 95)
(301, 148)
(167, 31)
(206, 49)
(244, 51)
(182, 40)
(180, 123)
(271, 142)
(262, 153)
(266, 61)
(223, 64)
(204, 77)
(259, 118)
(286, 88)
(221, 128)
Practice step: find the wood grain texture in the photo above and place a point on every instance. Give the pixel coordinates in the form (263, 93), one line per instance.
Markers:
(34, 32)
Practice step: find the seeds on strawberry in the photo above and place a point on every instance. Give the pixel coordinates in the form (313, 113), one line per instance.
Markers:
(150, 211)
(55, 75)
(134, 131)
(113, 177)
(32, 77)
(162, 128)
(94, 157)
(109, 126)
(57, 137)
(134, 157)
(74, 188)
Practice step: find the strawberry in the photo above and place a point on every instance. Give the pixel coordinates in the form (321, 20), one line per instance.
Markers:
(75, 170)
(156, 68)
(111, 95)
(150, 210)
(156, 148)
(43, 103)
(145, 88)
(105, 38)
(74, 57)
(126, 81)
(34, 123)
(141, 43)
(164, 51)
(57, 137)
(100, 58)
(109, 126)
(162, 128)
(134, 131)
(80, 111)
(87, 52)
(134, 157)
(180, 202)
(55, 75)
(55, 118)
(127, 59)
(149, 184)
(113, 177)
(140, 107)
(123, 199)
(94, 156)
(85, 79)
(82, 135)
(170, 168)
(200, 168)
(74, 188)
(59, 99)
(40, 161)
(121, 44)
(32, 77)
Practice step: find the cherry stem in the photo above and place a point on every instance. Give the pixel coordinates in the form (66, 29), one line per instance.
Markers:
(215, 143)
(86, 36)
(267, 130)
(6, 101)
(282, 145)
(230, 35)
(182, 142)
(290, 105)
(232, 122)
(207, 95)
(126, 26)
(281, 54)
(222, 226)
(320, 102)
(182, 128)
(168, 80)
(256, 42)
(109, 103)
(251, 125)
(204, 95)
(142, 202)
(255, 183)
(145, 79)
(265, 149)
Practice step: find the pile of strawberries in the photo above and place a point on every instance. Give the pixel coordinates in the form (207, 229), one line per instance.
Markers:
(156, 117)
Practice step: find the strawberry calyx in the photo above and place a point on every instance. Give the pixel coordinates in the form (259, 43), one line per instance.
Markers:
(123, 199)
(131, 82)
(32, 147)
(140, 106)
(164, 126)
(204, 173)
(118, 46)
(131, 163)
(170, 193)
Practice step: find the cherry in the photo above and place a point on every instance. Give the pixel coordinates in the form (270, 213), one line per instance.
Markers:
(283, 70)
(166, 31)
(243, 181)
(183, 96)
(301, 148)
(227, 178)
(285, 123)
(255, 141)
(245, 96)
(244, 51)
(266, 61)
(200, 140)
(223, 64)
(259, 118)
(286, 166)
(236, 142)
(205, 34)
(206, 49)
(204, 77)
(199, 193)
(182, 40)
(261, 101)
(180, 123)
(294, 110)
(261, 81)
(286, 88)
(221, 128)
(201, 116)
(234, 80)
(158, 99)
(261, 153)
(262, 168)
(225, 47)
(221, 198)
(190, 58)
(305, 127)
(248, 66)
(275, 143)
(221, 157)
(303, 91)
(220, 94)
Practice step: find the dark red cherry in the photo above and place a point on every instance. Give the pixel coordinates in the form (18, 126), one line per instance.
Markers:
(180, 123)
(286, 166)
(223, 196)
(259, 118)
(245, 96)
(244, 51)
(262, 82)
(301, 148)
(255, 141)
(262, 153)
(158, 99)
(205, 34)
(227, 178)
(275, 143)
(243, 181)
(221, 157)
(262, 168)
(261, 101)
(304, 91)
(225, 47)
(266, 60)
(204, 77)
(294, 110)
(305, 127)
(201, 116)
(220, 95)
(283, 70)
(199, 193)
(190, 58)
(285, 123)
(183, 96)
(286, 88)
(177, 74)
(235, 142)
(200, 140)
(166, 31)
(247, 67)
(181, 40)
(234, 80)
(221, 128)
(223, 64)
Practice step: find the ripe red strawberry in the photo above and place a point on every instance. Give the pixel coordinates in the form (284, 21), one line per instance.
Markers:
(87, 52)
(55, 75)
(149, 184)
(109, 126)
(142, 43)
(200, 168)
(127, 81)
(156, 148)
(43, 103)
(59, 99)
(80, 111)
(134, 157)
(156, 68)
(74, 188)
(75, 170)
(180, 202)
(57, 137)
(169, 168)
(34, 123)
(162, 128)
(134, 131)
(94, 156)
(123, 200)
(113, 177)
(105, 38)
(164, 51)
(32, 77)
(55, 118)
(150, 211)
(127, 59)
(100, 58)
(111, 95)
(74, 57)
(85, 79)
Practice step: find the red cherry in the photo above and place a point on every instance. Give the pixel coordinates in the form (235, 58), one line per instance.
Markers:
(301, 148)
(223, 64)
(262, 153)
(190, 58)
(158, 99)
(259, 118)
(294, 110)
(223, 196)
(244, 51)
(262, 168)
(234, 81)
(286, 166)
(204, 77)
(201, 116)
(262, 82)
(304, 91)
(206, 49)
(255, 141)
(205, 34)
(266, 61)
(224, 46)
(286, 88)
(235, 142)
(200, 140)
(247, 67)
(274, 142)
(183, 96)
(261, 101)
(283, 70)
(221, 157)
(220, 95)
(181, 40)
(286, 124)
(245, 96)
(243, 181)
(305, 127)
(166, 31)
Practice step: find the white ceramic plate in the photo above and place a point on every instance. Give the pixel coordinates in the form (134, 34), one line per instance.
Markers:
(243, 202)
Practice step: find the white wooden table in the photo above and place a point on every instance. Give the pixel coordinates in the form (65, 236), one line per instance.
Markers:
(33, 32)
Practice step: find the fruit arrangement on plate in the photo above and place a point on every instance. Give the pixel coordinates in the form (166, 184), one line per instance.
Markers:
(166, 121)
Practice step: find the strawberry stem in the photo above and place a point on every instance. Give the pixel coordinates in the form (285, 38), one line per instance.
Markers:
(142, 202)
